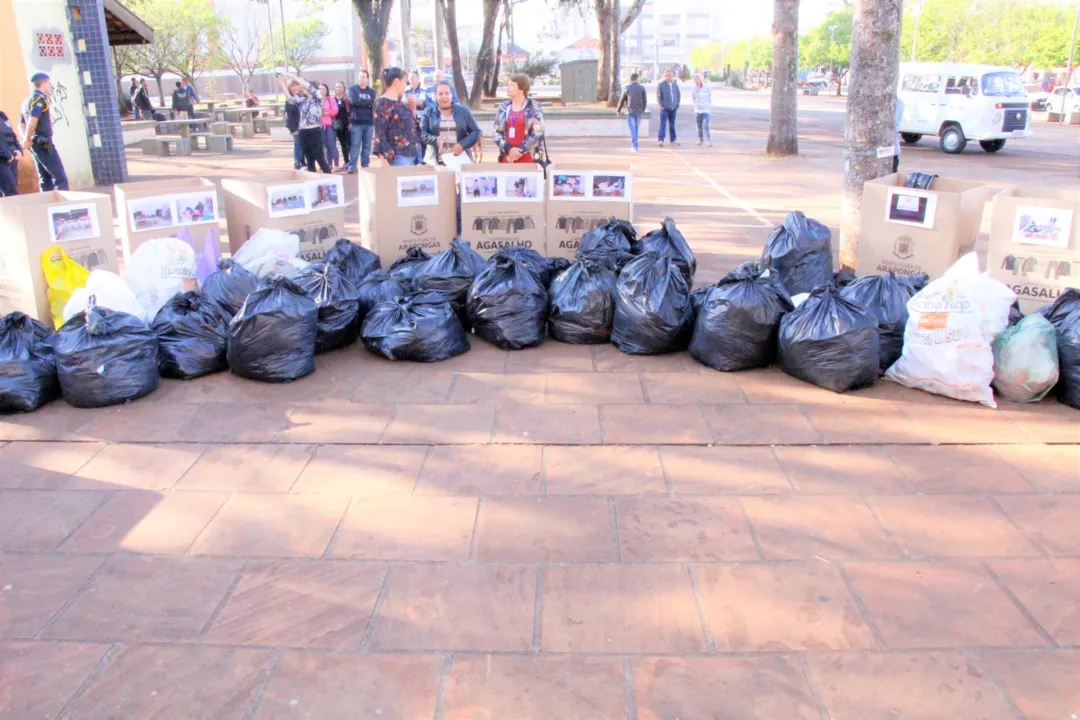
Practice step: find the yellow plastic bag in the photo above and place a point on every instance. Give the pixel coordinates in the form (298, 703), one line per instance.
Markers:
(62, 277)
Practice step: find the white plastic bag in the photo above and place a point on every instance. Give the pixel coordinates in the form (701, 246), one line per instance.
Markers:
(951, 325)
(159, 269)
(1026, 360)
(271, 252)
(108, 291)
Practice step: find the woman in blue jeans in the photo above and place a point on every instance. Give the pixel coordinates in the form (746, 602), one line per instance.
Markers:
(703, 110)
(397, 141)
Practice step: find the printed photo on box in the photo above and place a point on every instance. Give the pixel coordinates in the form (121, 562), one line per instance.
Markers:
(196, 208)
(287, 200)
(909, 207)
(151, 214)
(480, 188)
(570, 187)
(523, 188)
(1051, 227)
(73, 222)
(611, 187)
(323, 194)
(417, 190)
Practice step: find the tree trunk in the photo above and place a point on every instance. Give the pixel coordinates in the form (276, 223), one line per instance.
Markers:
(603, 73)
(449, 13)
(160, 88)
(871, 110)
(375, 23)
(783, 123)
(405, 10)
(485, 60)
(616, 82)
(439, 32)
(631, 15)
(492, 88)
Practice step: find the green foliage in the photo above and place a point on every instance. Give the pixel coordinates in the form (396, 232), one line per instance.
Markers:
(757, 52)
(303, 38)
(184, 33)
(708, 56)
(538, 67)
(829, 43)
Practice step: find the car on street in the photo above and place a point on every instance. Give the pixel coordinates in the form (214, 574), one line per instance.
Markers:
(1071, 96)
(1036, 97)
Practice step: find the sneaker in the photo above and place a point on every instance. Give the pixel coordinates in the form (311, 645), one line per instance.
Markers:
(674, 144)
(661, 143)
(699, 143)
(633, 149)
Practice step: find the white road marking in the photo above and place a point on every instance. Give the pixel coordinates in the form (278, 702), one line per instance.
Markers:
(724, 191)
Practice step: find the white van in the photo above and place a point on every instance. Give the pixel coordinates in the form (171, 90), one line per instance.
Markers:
(963, 102)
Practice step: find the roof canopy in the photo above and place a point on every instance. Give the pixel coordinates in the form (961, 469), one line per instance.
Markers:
(125, 27)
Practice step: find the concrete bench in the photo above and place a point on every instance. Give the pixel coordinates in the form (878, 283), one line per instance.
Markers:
(219, 128)
(260, 126)
(162, 146)
(241, 129)
(220, 143)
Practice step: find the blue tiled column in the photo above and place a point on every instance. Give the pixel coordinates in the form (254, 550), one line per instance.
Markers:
(87, 21)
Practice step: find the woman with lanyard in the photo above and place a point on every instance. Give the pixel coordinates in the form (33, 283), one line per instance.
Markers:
(329, 134)
(341, 124)
(519, 124)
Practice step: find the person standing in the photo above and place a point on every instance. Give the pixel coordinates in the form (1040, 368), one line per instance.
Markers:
(669, 98)
(416, 98)
(635, 100)
(702, 111)
(38, 135)
(252, 100)
(519, 124)
(142, 101)
(329, 134)
(447, 127)
(309, 101)
(440, 78)
(397, 141)
(189, 90)
(181, 102)
(341, 124)
(896, 141)
(10, 152)
(292, 124)
(131, 96)
(361, 103)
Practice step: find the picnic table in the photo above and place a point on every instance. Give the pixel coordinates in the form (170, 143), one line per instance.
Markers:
(209, 104)
(183, 126)
(239, 114)
(274, 107)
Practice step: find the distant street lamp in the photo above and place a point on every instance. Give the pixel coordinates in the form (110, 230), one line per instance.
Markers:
(916, 12)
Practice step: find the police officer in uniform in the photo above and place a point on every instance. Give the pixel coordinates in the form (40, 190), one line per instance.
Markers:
(10, 151)
(38, 135)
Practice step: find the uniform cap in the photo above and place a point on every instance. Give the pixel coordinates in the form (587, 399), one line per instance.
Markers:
(38, 78)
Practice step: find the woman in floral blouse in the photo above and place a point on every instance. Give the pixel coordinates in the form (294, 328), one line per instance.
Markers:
(519, 125)
(397, 141)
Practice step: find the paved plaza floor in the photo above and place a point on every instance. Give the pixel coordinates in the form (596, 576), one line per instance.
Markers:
(558, 533)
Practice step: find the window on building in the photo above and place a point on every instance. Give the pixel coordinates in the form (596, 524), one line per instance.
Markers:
(669, 42)
(669, 20)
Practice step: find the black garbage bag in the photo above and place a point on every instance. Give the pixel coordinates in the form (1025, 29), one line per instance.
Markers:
(105, 357)
(886, 297)
(507, 303)
(421, 327)
(405, 267)
(193, 336)
(737, 325)
(800, 251)
(379, 287)
(338, 300)
(354, 262)
(615, 239)
(451, 272)
(653, 314)
(1068, 339)
(843, 277)
(555, 265)
(532, 259)
(27, 364)
(831, 342)
(230, 286)
(581, 304)
(1015, 313)
(272, 338)
(668, 242)
(1065, 304)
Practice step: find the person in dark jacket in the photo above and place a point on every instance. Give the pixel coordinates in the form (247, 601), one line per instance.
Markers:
(635, 100)
(361, 101)
(143, 106)
(292, 124)
(447, 128)
(669, 98)
(131, 96)
(10, 152)
(181, 102)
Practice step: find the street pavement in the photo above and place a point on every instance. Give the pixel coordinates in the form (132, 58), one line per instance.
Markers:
(562, 532)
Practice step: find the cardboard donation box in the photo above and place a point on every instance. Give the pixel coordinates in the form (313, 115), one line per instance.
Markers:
(79, 223)
(910, 231)
(185, 208)
(581, 197)
(309, 205)
(404, 207)
(503, 206)
(1035, 243)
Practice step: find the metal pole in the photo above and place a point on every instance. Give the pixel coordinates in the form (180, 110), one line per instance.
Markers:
(284, 39)
(1069, 69)
(270, 27)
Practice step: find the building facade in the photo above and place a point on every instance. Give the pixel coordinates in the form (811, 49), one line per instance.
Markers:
(666, 32)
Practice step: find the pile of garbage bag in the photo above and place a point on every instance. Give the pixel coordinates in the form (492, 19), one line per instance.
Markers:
(272, 338)
(507, 303)
(653, 314)
(159, 269)
(800, 253)
(1026, 360)
(450, 273)
(581, 304)
(354, 261)
(193, 336)
(533, 260)
(338, 301)
(421, 327)
(887, 297)
(1064, 315)
(668, 242)
(614, 240)
(27, 364)
(104, 289)
(269, 253)
(405, 267)
(229, 286)
(378, 287)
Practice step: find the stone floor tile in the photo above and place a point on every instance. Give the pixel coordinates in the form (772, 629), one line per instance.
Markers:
(969, 423)
(869, 686)
(760, 425)
(958, 469)
(603, 470)
(609, 359)
(39, 678)
(293, 603)
(761, 688)
(223, 388)
(390, 687)
(531, 687)
(457, 607)
(855, 470)
(1048, 421)
(41, 519)
(482, 357)
(1050, 590)
(140, 521)
(362, 470)
(186, 681)
(147, 599)
(252, 423)
(939, 605)
(951, 526)
(551, 356)
(1042, 684)
(137, 467)
(1049, 468)
(426, 387)
(334, 381)
(155, 422)
(473, 470)
(683, 529)
(43, 465)
(723, 470)
(545, 529)
(55, 421)
(620, 609)
(339, 422)
(548, 424)
(781, 608)
(594, 388)
(829, 528)
(248, 468)
(773, 386)
(472, 388)
(655, 425)
(34, 587)
(404, 527)
(689, 388)
(884, 391)
(878, 424)
(1049, 520)
(272, 526)
(441, 425)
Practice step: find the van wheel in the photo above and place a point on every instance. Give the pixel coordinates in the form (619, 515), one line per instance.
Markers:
(952, 140)
(992, 146)
(911, 138)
